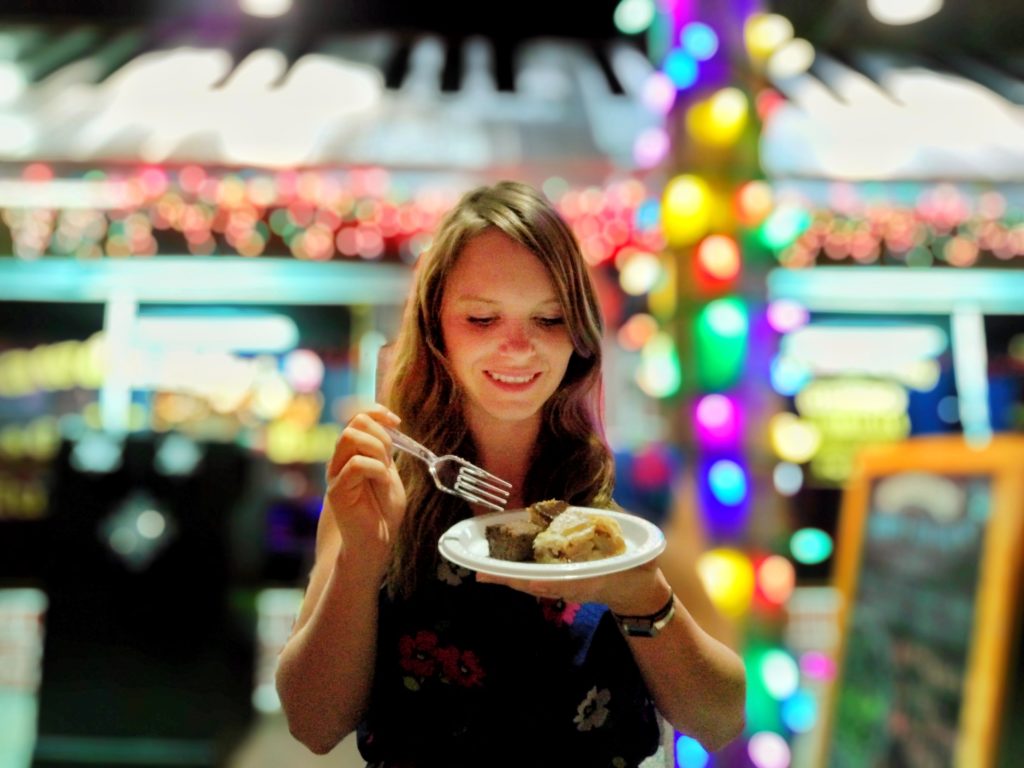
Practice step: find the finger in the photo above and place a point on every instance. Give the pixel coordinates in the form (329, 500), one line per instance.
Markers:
(361, 436)
(352, 478)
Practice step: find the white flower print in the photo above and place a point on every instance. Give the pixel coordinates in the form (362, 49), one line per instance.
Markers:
(593, 710)
(450, 573)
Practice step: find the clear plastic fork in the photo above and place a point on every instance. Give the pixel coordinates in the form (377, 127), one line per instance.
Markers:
(457, 476)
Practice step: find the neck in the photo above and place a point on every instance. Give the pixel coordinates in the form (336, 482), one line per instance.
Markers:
(506, 450)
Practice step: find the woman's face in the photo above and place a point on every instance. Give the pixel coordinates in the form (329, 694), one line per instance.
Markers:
(504, 329)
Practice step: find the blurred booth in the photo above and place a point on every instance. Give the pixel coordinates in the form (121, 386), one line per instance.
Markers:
(149, 645)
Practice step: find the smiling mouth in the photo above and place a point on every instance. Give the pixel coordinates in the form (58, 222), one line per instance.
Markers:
(506, 379)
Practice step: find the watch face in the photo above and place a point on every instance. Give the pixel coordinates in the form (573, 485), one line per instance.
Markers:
(640, 629)
(646, 626)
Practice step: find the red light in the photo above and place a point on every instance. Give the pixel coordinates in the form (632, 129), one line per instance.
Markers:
(718, 257)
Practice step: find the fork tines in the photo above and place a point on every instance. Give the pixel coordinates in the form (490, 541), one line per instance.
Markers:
(482, 487)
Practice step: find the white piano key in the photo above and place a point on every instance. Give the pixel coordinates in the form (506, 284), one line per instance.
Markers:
(631, 67)
(478, 79)
(426, 60)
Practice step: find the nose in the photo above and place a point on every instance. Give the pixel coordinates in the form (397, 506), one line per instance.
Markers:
(517, 340)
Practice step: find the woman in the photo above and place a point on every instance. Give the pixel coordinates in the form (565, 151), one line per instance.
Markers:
(498, 360)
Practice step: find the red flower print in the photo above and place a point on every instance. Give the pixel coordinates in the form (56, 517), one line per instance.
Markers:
(558, 611)
(418, 654)
(460, 667)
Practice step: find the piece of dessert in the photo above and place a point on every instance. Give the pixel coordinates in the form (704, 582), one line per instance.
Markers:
(512, 540)
(575, 536)
(543, 512)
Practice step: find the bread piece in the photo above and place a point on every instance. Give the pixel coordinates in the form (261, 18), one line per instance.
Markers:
(575, 536)
(512, 540)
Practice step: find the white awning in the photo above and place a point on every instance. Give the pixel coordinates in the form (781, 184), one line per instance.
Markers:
(887, 117)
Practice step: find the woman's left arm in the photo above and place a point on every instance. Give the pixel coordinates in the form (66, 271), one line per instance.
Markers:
(698, 683)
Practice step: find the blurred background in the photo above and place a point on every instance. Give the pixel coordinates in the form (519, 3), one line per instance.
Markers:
(805, 222)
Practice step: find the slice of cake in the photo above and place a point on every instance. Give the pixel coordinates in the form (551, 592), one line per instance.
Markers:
(512, 540)
(575, 536)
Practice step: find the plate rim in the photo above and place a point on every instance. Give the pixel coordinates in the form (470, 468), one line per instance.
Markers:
(553, 571)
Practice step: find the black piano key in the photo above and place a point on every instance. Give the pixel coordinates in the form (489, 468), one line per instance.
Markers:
(69, 45)
(451, 74)
(397, 65)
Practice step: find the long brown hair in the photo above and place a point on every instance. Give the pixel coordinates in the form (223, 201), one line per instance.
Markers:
(572, 460)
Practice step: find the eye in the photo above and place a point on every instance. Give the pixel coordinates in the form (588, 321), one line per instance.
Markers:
(481, 321)
(550, 322)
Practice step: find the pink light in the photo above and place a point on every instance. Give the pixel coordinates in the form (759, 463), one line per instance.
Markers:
(191, 178)
(37, 172)
(658, 93)
(818, 666)
(153, 181)
(785, 315)
(717, 420)
(651, 147)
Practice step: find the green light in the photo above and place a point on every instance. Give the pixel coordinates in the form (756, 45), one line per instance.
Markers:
(721, 330)
(633, 16)
(659, 374)
(810, 546)
(783, 226)
(762, 708)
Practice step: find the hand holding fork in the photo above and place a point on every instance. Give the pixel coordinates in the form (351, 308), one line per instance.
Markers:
(455, 475)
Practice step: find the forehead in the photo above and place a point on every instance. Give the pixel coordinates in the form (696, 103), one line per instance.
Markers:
(492, 264)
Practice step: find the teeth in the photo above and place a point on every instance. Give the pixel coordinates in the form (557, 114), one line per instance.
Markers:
(511, 379)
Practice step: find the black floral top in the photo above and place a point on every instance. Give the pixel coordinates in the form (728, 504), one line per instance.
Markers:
(475, 674)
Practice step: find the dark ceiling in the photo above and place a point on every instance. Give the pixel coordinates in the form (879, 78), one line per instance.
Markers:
(591, 19)
(974, 26)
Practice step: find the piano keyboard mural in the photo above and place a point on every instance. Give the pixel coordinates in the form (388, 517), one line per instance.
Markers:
(87, 95)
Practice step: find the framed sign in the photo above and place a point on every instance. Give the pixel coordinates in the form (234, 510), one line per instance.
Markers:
(928, 567)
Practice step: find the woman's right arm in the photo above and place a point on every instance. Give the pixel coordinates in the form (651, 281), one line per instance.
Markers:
(325, 670)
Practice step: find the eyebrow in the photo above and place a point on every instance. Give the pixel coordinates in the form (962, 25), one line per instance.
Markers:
(472, 298)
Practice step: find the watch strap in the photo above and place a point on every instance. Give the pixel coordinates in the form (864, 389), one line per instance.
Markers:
(649, 625)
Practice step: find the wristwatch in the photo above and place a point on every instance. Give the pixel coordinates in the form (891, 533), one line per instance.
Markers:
(650, 625)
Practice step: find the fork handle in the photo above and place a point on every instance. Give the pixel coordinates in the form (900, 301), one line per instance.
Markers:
(405, 443)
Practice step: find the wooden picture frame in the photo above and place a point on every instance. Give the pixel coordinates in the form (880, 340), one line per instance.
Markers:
(930, 544)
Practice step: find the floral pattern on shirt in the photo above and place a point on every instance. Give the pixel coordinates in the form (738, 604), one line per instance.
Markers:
(451, 574)
(459, 661)
(422, 657)
(593, 710)
(559, 612)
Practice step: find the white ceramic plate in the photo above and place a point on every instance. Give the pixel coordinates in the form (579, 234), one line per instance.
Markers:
(465, 544)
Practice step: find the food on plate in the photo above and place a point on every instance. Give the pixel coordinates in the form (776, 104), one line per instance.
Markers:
(576, 536)
(556, 533)
(512, 540)
(543, 512)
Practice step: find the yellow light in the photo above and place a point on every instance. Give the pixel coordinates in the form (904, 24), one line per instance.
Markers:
(764, 33)
(640, 273)
(663, 297)
(793, 439)
(686, 209)
(728, 577)
(791, 59)
(718, 121)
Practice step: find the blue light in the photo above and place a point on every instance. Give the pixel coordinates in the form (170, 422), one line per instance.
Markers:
(699, 40)
(788, 376)
(648, 214)
(728, 482)
(681, 68)
(800, 712)
(689, 753)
